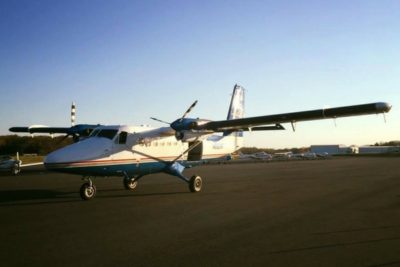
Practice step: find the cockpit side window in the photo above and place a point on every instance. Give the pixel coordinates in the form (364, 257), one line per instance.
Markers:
(122, 138)
(107, 133)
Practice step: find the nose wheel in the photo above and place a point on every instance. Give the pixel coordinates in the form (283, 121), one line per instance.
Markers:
(88, 190)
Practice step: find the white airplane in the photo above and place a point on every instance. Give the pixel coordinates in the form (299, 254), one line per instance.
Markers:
(14, 165)
(133, 152)
(258, 155)
(307, 155)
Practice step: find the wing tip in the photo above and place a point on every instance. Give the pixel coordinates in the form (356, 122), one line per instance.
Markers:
(383, 107)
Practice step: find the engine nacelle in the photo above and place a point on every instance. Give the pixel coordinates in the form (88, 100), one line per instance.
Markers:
(190, 136)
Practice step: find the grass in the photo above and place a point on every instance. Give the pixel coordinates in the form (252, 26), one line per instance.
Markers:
(31, 159)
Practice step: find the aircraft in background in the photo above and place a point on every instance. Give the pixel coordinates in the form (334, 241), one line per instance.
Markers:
(307, 155)
(7, 163)
(258, 155)
(283, 155)
(133, 152)
(77, 132)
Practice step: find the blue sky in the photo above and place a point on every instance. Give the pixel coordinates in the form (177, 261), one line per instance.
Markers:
(125, 61)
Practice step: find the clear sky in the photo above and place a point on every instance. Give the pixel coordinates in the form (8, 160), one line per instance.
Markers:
(125, 61)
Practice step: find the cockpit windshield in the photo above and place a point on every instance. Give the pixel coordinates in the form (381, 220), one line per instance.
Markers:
(107, 133)
(94, 133)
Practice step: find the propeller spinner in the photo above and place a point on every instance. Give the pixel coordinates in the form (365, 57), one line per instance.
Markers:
(182, 123)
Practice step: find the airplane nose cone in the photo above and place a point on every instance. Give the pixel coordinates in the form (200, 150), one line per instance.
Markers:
(89, 149)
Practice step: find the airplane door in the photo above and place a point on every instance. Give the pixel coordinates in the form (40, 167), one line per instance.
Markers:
(196, 153)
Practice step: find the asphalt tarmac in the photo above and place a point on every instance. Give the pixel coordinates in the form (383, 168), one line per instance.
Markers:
(335, 212)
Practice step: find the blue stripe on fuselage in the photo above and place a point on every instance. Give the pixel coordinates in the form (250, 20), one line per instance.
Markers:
(131, 169)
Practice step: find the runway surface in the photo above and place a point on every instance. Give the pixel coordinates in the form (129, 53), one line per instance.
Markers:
(336, 212)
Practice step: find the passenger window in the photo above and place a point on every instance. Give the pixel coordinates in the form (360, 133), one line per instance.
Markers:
(122, 138)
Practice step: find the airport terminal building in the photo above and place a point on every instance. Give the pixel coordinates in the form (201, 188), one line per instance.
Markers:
(346, 150)
(333, 149)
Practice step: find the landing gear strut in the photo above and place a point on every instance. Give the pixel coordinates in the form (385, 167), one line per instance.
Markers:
(195, 182)
(88, 190)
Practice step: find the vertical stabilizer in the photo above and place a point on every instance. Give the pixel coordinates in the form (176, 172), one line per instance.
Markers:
(73, 111)
(236, 111)
(236, 108)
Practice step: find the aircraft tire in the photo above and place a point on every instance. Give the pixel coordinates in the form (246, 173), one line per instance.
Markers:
(130, 184)
(87, 192)
(195, 184)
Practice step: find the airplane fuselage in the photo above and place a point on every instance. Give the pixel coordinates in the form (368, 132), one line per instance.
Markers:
(141, 150)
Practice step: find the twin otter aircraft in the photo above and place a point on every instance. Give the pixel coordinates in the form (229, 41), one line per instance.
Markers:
(133, 152)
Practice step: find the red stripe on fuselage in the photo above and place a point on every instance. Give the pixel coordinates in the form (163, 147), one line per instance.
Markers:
(108, 162)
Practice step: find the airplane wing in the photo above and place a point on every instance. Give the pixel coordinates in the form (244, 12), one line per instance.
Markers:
(79, 129)
(243, 123)
(41, 129)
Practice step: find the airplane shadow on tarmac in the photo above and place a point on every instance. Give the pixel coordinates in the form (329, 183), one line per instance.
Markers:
(40, 196)
(133, 194)
(21, 197)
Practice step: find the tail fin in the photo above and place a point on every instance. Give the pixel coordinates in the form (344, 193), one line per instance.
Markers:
(236, 108)
(73, 110)
(236, 111)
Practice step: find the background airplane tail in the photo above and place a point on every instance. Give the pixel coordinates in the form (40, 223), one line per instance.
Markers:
(236, 111)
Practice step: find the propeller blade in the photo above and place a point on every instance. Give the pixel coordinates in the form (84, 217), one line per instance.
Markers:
(159, 120)
(189, 109)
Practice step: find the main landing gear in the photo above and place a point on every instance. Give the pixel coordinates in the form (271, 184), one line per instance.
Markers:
(195, 184)
(130, 183)
(88, 190)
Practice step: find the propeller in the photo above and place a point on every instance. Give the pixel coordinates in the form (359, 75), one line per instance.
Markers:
(177, 123)
(160, 120)
(187, 111)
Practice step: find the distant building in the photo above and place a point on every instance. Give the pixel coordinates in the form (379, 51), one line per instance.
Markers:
(333, 149)
(378, 149)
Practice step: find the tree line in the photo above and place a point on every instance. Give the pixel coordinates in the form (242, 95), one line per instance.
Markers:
(40, 145)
